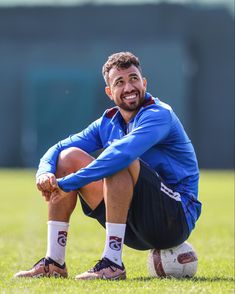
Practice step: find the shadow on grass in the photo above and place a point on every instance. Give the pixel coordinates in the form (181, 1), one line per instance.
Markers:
(195, 279)
(213, 279)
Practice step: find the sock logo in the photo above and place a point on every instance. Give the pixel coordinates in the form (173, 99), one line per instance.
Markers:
(62, 238)
(115, 243)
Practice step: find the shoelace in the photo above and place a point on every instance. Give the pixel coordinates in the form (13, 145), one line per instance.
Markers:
(103, 263)
(45, 262)
(41, 261)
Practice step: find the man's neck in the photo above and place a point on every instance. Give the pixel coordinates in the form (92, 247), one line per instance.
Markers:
(128, 115)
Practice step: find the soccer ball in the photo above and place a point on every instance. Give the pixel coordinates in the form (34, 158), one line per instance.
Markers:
(176, 262)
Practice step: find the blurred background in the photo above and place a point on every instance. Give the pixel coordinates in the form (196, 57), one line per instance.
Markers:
(52, 52)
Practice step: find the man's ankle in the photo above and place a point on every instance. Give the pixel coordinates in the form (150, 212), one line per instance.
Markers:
(50, 260)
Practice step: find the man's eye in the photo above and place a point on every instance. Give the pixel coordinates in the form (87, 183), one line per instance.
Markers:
(118, 83)
(134, 78)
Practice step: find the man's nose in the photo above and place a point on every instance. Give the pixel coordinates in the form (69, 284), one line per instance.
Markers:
(128, 87)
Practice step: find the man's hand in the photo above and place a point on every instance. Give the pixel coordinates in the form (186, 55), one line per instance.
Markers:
(46, 183)
(58, 195)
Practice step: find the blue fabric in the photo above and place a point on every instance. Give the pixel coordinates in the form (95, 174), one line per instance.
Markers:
(157, 137)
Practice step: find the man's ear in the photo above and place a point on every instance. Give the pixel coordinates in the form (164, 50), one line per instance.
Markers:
(108, 92)
(145, 83)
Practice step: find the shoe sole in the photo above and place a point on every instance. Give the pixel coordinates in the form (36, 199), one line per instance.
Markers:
(117, 278)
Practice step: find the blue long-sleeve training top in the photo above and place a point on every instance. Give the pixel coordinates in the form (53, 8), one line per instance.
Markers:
(155, 135)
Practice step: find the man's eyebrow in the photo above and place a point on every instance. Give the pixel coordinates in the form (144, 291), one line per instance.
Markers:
(117, 79)
(133, 74)
(130, 75)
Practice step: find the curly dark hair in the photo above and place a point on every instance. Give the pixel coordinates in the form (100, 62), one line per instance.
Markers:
(119, 60)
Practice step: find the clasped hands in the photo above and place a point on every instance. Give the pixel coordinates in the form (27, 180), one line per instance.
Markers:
(47, 184)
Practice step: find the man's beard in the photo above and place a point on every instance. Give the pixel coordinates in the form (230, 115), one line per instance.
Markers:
(132, 106)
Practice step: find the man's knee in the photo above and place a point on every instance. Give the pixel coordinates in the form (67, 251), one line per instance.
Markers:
(71, 160)
(133, 170)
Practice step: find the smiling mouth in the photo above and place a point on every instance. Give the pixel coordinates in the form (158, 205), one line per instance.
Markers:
(130, 97)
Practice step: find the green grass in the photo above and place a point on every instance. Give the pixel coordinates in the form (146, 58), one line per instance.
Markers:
(23, 216)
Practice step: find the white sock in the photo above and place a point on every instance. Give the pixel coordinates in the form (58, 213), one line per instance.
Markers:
(114, 242)
(56, 240)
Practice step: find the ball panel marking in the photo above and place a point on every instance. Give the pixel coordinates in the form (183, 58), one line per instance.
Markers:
(187, 257)
(157, 261)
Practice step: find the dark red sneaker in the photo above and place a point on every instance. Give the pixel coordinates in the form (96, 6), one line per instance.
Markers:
(44, 268)
(105, 269)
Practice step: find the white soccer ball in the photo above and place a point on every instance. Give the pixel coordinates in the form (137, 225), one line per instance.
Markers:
(176, 262)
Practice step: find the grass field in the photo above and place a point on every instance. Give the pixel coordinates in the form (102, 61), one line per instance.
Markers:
(23, 215)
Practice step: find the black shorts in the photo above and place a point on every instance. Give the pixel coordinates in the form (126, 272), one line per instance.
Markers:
(155, 219)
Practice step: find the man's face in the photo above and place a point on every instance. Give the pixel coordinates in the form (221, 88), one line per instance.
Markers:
(126, 87)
